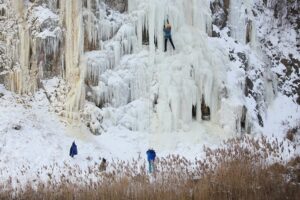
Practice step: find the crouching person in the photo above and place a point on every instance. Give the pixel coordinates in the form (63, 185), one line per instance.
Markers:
(103, 165)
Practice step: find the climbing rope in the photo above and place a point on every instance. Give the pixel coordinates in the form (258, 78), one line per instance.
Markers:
(149, 106)
(168, 11)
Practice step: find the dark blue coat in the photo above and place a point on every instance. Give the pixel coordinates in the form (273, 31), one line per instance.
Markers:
(151, 155)
(73, 150)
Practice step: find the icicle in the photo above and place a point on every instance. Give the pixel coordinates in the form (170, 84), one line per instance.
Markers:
(75, 64)
(89, 22)
(22, 74)
(139, 28)
(239, 13)
(151, 17)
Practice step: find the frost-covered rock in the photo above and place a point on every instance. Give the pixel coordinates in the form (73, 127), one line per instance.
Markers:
(219, 9)
(120, 5)
(280, 42)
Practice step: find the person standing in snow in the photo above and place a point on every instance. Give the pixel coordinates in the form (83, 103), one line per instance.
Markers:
(73, 150)
(151, 157)
(168, 35)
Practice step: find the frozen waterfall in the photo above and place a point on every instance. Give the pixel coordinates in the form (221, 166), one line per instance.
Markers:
(179, 88)
(116, 61)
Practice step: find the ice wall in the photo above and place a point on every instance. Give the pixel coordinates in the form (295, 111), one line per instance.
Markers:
(151, 15)
(196, 75)
(190, 79)
(189, 86)
(187, 83)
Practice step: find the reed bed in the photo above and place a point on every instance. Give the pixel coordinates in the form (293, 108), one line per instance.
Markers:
(241, 168)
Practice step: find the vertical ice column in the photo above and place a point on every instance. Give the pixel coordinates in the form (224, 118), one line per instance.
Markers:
(74, 63)
(89, 21)
(20, 80)
(202, 15)
(240, 12)
(94, 31)
(74, 36)
(151, 29)
(139, 28)
(188, 11)
(162, 12)
(196, 13)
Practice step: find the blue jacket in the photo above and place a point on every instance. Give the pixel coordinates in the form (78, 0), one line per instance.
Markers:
(167, 32)
(73, 150)
(151, 155)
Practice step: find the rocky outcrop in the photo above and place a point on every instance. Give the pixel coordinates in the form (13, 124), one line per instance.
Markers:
(292, 68)
(120, 5)
(219, 10)
(285, 10)
(283, 22)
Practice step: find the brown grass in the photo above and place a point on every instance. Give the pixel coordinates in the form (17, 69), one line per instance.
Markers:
(243, 168)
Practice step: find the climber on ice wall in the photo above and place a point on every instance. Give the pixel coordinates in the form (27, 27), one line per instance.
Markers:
(168, 35)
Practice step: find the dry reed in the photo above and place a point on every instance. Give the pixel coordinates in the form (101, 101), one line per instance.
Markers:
(242, 168)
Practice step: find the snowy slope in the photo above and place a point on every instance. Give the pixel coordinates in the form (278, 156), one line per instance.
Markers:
(33, 138)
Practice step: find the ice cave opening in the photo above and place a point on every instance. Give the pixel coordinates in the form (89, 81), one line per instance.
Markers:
(205, 110)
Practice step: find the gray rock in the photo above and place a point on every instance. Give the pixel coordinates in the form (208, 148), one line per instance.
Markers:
(219, 9)
(17, 127)
(248, 86)
(120, 5)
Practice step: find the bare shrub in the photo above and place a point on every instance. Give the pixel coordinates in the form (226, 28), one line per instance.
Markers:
(291, 134)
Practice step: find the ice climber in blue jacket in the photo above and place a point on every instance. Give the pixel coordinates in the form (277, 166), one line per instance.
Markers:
(151, 157)
(168, 35)
(73, 150)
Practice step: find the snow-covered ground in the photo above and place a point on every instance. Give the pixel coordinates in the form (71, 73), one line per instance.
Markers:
(32, 138)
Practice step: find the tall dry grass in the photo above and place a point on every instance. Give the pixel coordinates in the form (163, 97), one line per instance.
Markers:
(243, 168)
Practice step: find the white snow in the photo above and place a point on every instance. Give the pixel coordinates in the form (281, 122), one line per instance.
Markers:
(282, 115)
(44, 139)
(42, 14)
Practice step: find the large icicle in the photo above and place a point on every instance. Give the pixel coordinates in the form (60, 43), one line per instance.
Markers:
(74, 62)
(242, 26)
(22, 78)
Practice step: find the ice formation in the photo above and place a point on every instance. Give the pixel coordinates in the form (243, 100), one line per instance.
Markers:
(19, 77)
(115, 62)
(241, 23)
(74, 66)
